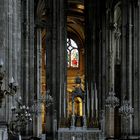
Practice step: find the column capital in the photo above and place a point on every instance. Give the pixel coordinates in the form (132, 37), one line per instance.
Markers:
(138, 2)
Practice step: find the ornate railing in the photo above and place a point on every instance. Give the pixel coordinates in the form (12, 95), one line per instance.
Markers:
(79, 134)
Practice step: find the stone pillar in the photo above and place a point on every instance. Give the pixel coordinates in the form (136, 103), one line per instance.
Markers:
(2, 52)
(73, 115)
(130, 38)
(37, 120)
(56, 62)
(90, 55)
(11, 45)
(16, 51)
(84, 115)
(110, 125)
(9, 52)
(136, 70)
(49, 56)
(27, 87)
(61, 55)
(137, 99)
(110, 129)
(124, 50)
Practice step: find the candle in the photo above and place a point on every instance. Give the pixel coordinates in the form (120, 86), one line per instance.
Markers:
(11, 80)
(87, 101)
(73, 138)
(96, 99)
(1, 62)
(92, 99)
(19, 137)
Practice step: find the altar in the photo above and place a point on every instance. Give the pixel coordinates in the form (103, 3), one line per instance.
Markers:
(79, 134)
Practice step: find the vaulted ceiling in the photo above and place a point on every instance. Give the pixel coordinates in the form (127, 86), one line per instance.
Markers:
(75, 18)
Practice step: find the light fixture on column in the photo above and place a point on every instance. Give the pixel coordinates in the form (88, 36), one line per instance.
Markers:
(21, 115)
(12, 85)
(47, 100)
(112, 101)
(126, 110)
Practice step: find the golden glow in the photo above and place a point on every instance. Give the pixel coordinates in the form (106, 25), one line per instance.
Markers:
(80, 6)
(43, 80)
(80, 106)
(43, 113)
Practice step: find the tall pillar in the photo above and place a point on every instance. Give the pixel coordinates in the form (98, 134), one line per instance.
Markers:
(37, 120)
(136, 70)
(61, 55)
(110, 129)
(49, 64)
(11, 45)
(124, 60)
(27, 84)
(130, 38)
(91, 54)
(2, 52)
(138, 59)
(56, 63)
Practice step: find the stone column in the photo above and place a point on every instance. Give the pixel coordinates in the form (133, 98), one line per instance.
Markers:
(136, 70)
(123, 58)
(130, 38)
(16, 51)
(56, 61)
(49, 64)
(37, 124)
(61, 55)
(84, 115)
(137, 99)
(87, 100)
(10, 49)
(73, 115)
(27, 87)
(2, 52)
(9, 53)
(110, 113)
(90, 54)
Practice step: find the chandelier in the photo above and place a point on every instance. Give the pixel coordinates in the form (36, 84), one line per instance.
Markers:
(22, 117)
(46, 100)
(126, 109)
(112, 101)
(12, 85)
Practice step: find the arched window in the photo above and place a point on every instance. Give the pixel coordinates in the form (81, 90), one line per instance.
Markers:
(72, 54)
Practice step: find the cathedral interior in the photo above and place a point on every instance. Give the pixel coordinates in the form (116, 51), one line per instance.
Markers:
(69, 69)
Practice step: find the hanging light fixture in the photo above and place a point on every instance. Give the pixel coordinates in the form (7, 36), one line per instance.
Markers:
(12, 85)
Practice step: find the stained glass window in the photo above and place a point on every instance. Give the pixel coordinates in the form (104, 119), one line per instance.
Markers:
(72, 54)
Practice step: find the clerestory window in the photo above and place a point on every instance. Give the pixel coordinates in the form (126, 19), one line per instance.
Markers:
(72, 54)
